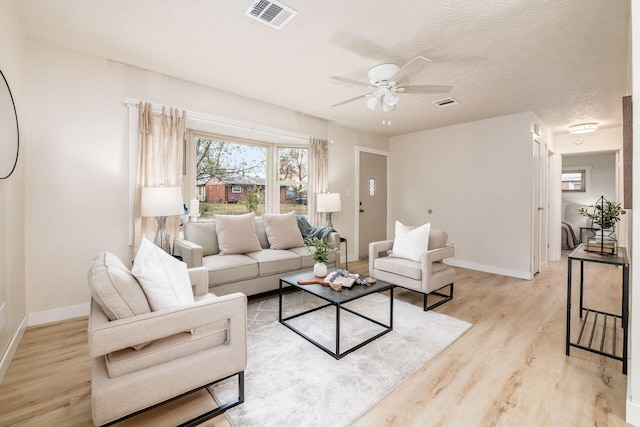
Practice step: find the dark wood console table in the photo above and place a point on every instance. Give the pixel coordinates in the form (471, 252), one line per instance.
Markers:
(600, 331)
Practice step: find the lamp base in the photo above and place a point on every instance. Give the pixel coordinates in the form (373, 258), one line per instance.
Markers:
(162, 237)
(328, 224)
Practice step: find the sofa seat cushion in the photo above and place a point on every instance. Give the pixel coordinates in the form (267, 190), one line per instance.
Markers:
(399, 266)
(305, 256)
(230, 268)
(167, 349)
(275, 261)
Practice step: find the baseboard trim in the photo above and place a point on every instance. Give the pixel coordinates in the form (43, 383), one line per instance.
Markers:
(633, 413)
(7, 357)
(526, 275)
(58, 314)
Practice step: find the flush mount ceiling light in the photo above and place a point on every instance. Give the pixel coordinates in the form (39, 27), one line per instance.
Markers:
(583, 128)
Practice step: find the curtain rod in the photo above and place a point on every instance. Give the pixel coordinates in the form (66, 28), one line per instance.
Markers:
(211, 119)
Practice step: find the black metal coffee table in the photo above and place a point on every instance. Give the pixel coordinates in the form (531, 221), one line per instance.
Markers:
(336, 299)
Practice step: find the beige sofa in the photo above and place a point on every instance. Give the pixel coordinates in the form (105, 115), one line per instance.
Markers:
(251, 273)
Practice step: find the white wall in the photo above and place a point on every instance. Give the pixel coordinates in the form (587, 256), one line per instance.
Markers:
(78, 168)
(602, 180)
(477, 179)
(12, 257)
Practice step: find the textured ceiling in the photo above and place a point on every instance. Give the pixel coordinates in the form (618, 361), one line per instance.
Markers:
(565, 60)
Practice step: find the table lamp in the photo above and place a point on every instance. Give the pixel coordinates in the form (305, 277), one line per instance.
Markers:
(161, 202)
(328, 203)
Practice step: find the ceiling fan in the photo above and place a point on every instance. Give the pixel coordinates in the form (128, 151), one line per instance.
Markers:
(387, 81)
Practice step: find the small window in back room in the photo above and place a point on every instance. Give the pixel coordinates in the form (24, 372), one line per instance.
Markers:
(574, 181)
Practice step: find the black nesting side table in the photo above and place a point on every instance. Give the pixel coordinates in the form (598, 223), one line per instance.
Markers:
(600, 332)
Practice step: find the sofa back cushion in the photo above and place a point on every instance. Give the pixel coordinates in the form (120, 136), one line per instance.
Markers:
(437, 238)
(203, 233)
(237, 234)
(115, 289)
(261, 232)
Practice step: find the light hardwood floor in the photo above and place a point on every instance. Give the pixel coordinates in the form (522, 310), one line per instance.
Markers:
(509, 369)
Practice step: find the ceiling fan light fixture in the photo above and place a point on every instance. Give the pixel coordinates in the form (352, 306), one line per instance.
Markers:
(583, 128)
(391, 98)
(371, 102)
(386, 107)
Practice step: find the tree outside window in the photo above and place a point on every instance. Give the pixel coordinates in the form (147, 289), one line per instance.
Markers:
(232, 177)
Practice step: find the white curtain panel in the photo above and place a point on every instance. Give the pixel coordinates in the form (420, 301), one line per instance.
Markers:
(160, 160)
(318, 175)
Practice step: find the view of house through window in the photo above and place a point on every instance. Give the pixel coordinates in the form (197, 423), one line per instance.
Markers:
(574, 181)
(293, 174)
(232, 177)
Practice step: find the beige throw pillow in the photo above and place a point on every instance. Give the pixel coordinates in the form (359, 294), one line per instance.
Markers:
(283, 231)
(115, 289)
(237, 234)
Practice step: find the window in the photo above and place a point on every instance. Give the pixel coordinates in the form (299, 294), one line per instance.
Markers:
(574, 180)
(239, 176)
(293, 174)
(233, 175)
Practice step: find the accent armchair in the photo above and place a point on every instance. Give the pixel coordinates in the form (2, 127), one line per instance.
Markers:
(143, 358)
(430, 276)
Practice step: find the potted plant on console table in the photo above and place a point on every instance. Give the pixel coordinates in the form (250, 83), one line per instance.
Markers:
(320, 251)
(604, 216)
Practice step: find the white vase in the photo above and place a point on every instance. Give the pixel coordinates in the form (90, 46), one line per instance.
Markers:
(320, 269)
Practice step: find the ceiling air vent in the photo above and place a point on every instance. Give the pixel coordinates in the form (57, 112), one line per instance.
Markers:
(445, 102)
(271, 13)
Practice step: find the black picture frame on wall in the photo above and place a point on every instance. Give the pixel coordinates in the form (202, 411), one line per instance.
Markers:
(9, 130)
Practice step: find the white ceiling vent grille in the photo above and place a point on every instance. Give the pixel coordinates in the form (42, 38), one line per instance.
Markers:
(446, 102)
(271, 13)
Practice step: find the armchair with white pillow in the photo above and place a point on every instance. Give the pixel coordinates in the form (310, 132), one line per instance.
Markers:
(415, 262)
(155, 333)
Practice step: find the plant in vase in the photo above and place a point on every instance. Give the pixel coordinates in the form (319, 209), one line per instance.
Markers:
(320, 251)
(604, 216)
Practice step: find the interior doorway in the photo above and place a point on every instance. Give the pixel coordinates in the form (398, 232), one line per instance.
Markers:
(601, 172)
(371, 209)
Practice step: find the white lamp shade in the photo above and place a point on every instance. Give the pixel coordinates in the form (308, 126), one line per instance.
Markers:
(161, 201)
(328, 202)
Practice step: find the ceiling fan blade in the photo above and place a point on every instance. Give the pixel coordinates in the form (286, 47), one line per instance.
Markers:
(424, 89)
(351, 99)
(409, 69)
(352, 81)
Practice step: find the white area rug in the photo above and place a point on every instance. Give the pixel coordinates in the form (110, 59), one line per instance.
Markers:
(291, 382)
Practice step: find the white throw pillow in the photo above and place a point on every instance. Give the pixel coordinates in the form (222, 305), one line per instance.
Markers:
(237, 234)
(164, 279)
(282, 231)
(411, 243)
